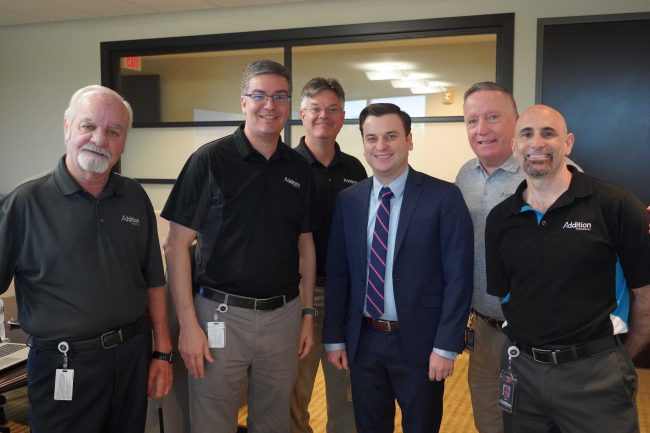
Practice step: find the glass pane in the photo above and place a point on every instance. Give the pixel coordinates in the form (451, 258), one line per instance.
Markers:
(373, 71)
(160, 153)
(188, 87)
(439, 149)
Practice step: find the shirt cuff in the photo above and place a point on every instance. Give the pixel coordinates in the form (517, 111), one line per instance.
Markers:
(329, 347)
(446, 353)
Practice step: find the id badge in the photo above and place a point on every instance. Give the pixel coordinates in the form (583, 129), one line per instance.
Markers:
(63, 384)
(469, 338)
(469, 333)
(507, 392)
(216, 335)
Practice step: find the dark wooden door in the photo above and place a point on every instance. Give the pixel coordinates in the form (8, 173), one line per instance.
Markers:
(596, 71)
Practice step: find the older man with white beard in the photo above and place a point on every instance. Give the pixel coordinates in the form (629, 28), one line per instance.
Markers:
(81, 244)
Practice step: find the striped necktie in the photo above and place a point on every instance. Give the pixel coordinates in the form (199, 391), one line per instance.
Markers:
(377, 268)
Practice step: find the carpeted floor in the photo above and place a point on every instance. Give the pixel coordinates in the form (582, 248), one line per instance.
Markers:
(457, 410)
(457, 415)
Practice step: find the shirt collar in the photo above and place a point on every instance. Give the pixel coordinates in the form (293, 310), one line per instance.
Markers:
(246, 150)
(68, 185)
(511, 165)
(396, 186)
(580, 187)
(304, 150)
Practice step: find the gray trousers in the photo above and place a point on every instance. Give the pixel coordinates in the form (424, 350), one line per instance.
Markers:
(596, 394)
(262, 345)
(340, 413)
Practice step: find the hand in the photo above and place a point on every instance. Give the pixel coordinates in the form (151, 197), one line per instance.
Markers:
(306, 340)
(440, 367)
(159, 382)
(339, 359)
(193, 347)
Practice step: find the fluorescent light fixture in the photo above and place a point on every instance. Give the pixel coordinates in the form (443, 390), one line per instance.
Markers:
(418, 75)
(426, 89)
(384, 75)
(438, 84)
(406, 83)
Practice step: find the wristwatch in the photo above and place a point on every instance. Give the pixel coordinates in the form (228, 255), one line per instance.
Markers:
(309, 310)
(169, 357)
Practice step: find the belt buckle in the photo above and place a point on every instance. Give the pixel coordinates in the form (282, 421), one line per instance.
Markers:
(108, 334)
(386, 326)
(535, 352)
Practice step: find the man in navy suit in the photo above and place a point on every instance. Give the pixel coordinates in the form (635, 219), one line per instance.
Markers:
(396, 318)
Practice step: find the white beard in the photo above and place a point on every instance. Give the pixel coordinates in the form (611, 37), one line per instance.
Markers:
(92, 161)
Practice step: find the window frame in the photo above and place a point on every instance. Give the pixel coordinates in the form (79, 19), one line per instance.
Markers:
(500, 24)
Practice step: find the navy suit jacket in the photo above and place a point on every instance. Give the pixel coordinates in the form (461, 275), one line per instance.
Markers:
(432, 267)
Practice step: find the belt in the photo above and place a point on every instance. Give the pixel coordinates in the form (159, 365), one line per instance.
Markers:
(107, 340)
(380, 325)
(265, 304)
(321, 281)
(571, 353)
(498, 324)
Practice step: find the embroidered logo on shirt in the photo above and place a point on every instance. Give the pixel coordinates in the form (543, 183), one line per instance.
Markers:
(577, 225)
(292, 182)
(350, 181)
(131, 220)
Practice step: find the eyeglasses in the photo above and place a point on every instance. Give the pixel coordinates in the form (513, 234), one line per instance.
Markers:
(329, 110)
(263, 97)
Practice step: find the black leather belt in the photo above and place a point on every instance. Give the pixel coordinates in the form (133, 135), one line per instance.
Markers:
(105, 341)
(321, 281)
(498, 324)
(265, 304)
(571, 353)
(380, 325)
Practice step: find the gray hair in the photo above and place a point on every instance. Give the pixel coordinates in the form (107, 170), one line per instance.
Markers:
(264, 67)
(490, 86)
(319, 84)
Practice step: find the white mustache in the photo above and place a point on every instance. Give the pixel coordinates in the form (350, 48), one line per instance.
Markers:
(91, 147)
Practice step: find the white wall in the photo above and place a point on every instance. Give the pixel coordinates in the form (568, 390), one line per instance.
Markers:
(43, 64)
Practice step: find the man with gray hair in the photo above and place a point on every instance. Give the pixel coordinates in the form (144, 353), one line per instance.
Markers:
(490, 115)
(322, 103)
(82, 247)
(247, 199)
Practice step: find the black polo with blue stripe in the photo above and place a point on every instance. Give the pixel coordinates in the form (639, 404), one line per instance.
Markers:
(557, 272)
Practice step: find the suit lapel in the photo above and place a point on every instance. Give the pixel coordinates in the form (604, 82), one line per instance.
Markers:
(412, 192)
(361, 219)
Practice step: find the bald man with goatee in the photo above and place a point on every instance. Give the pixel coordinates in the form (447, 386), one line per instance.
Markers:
(568, 255)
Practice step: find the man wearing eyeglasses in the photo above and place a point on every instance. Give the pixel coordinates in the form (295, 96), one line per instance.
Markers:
(322, 112)
(247, 199)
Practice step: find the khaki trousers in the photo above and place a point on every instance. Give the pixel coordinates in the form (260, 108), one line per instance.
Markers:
(262, 345)
(483, 376)
(340, 414)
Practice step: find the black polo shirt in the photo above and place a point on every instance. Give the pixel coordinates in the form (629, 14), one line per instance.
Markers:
(81, 265)
(344, 170)
(248, 212)
(558, 276)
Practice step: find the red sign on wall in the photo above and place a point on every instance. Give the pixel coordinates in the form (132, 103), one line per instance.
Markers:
(134, 63)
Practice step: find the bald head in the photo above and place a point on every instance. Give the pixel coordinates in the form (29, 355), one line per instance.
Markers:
(544, 113)
(541, 142)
